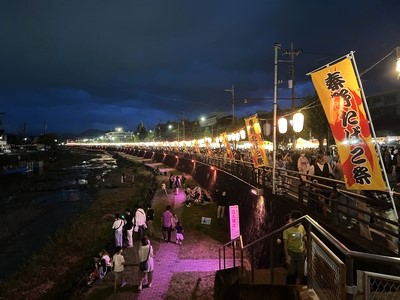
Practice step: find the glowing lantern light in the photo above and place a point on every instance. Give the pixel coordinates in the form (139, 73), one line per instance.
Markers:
(282, 125)
(298, 122)
(242, 134)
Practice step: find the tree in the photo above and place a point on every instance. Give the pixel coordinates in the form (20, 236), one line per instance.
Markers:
(49, 140)
(141, 132)
(315, 120)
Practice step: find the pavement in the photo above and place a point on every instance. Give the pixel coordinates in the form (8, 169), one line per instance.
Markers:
(166, 260)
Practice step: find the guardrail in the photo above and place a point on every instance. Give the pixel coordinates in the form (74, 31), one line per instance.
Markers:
(330, 200)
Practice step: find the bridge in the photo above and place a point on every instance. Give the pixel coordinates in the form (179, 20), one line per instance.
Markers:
(352, 261)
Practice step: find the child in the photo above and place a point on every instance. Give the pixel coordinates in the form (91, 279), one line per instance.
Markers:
(294, 247)
(179, 233)
(174, 221)
(118, 267)
(164, 189)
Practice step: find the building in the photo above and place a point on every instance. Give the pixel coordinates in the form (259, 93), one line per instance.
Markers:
(385, 113)
(119, 135)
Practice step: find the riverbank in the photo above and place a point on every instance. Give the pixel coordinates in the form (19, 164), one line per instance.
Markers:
(63, 264)
(19, 191)
(185, 271)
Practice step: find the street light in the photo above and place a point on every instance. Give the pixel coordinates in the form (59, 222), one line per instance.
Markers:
(206, 122)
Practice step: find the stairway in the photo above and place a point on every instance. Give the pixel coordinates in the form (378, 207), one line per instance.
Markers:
(232, 283)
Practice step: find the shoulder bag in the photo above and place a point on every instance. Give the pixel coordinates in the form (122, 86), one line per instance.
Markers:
(144, 265)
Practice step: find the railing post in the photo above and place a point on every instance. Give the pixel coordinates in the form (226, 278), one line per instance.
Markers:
(349, 277)
(271, 259)
(309, 256)
(252, 264)
(219, 258)
(233, 253)
(241, 259)
(300, 192)
(224, 257)
(334, 206)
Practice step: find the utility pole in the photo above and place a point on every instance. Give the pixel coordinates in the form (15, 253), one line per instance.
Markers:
(232, 91)
(277, 47)
(1, 123)
(292, 53)
(183, 125)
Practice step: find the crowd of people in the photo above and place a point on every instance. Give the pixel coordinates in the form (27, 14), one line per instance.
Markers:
(124, 225)
(290, 159)
(196, 196)
(138, 223)
(129, 227)
(377, 203)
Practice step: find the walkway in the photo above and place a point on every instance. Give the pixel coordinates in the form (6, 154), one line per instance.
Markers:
(167, 261)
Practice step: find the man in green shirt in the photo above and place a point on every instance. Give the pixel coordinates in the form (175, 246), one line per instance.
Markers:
(293, 243)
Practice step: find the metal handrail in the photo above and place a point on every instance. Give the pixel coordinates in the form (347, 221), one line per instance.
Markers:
(350, 255)
(260, 177)
(223, 247)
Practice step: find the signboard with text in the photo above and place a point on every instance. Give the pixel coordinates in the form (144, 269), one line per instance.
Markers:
(234, 221)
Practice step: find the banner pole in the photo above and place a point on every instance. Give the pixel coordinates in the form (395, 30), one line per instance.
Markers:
(378, 147)
(328, 64)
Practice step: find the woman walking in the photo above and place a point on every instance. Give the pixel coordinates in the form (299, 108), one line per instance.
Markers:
(146, 269)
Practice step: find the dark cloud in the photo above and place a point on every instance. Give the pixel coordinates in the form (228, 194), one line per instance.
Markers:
(100, 64)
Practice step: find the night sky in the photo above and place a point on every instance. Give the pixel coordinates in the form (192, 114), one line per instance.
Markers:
(76, 65)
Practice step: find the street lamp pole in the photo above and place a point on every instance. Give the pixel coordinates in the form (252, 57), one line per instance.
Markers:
(277, 46)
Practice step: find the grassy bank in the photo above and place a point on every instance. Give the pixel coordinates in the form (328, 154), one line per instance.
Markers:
(62, 266)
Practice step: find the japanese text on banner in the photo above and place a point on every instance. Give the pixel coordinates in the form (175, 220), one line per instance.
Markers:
(340, 96)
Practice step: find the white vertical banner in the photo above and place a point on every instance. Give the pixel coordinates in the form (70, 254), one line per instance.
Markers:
(234, 221)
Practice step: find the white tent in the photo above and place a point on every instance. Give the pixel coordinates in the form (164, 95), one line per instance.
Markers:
(302, 144)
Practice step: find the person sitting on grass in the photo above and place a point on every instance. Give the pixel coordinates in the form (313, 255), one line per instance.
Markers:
(96, 272)
(102, 265)
(188, 197)
(105, 263)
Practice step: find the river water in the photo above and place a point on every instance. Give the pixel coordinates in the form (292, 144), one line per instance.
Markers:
(60, 207)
